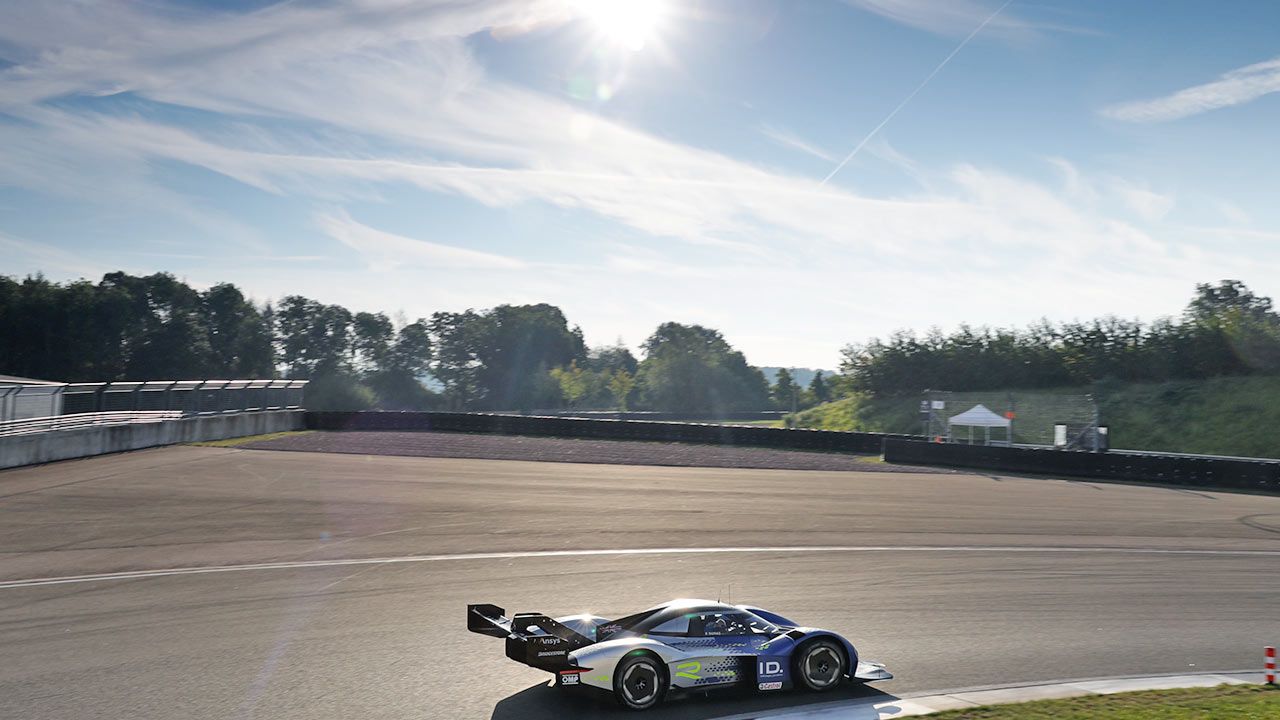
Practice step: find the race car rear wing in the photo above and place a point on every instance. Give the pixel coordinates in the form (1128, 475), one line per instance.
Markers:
(532, 638)
(488, 620)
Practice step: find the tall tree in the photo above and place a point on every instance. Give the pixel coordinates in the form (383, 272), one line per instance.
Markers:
(785, 391)
(621, 385)
(1236, 331)
(412, 352)
(575, 382)
(1226, 301)
(819, 389)
(239, 335)
(518, 345)
(314, 338)
(690, 368)
(372, 337)
(171, 341)
(457, 337)
(612, 357)
(396, 377)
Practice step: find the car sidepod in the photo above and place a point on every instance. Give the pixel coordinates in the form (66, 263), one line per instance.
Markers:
(706, 663)
(593, 666)
(691, 664)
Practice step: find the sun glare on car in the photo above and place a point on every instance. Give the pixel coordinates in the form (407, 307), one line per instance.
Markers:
(628, 24)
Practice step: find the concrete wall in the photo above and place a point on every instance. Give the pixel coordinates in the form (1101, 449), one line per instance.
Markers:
(45, 447)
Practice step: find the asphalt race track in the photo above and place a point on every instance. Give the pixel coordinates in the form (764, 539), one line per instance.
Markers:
(951, 579)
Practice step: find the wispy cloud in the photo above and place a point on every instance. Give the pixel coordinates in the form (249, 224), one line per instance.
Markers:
(886, 152)
(49, 257)
(412, 84)
(953, 18)
(1237, 87)
(1146, 203)
(401, 73)
(1113, 194)
(788, 139)
(1233, 213)
(385, 251)
(335, 104)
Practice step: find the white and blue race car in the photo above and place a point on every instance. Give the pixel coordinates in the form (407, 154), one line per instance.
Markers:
(679, 646)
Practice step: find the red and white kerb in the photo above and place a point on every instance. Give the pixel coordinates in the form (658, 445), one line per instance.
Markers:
(1271, 665)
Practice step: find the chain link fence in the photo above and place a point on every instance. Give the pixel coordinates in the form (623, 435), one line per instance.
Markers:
(1023, 417)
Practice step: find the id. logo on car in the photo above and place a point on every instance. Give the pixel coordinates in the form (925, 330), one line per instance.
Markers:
(766, 668)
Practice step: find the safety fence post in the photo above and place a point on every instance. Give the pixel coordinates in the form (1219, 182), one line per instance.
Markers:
(1271, 665)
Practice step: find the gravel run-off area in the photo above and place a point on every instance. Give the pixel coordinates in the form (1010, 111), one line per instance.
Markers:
(612, 452)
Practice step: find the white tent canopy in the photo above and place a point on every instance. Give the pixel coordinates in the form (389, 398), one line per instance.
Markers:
(979, 416)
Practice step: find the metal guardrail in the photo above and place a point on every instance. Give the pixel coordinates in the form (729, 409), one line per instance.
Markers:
(18, 400)
(71, 406)
(83, 420)
(190, 396)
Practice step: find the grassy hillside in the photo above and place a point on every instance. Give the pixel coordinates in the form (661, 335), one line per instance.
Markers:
(1226, 416)
(863, 413)
(1223, 416)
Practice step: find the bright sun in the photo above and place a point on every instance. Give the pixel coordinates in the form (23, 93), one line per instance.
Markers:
(628, 24)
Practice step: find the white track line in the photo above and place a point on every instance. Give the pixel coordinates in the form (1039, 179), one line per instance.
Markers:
(298, 564)
(889, 708)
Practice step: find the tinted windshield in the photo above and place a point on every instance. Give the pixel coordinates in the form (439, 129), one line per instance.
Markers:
(739, 622)
(698, 622)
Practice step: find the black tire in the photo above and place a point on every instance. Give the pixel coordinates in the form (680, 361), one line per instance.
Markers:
(639, 682)
(819, 665)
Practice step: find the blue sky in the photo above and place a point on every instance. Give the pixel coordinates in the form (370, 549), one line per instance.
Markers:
(636, 163)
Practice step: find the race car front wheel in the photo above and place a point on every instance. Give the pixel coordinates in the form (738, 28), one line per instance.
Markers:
(639, 684)
(820, 665)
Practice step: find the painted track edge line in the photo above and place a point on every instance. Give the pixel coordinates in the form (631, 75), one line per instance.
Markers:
(508, 555)
(927, 703)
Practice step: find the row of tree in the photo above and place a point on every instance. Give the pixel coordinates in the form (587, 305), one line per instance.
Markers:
(789, 395)
(127, 327)
(512, 357)
(1225, 330)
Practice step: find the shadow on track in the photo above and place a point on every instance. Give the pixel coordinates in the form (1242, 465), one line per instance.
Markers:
(541, 701)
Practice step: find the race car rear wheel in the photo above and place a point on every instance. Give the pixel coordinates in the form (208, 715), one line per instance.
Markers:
(639, 683)
(819, 665)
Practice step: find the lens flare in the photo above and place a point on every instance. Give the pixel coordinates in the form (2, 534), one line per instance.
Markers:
(628, 24)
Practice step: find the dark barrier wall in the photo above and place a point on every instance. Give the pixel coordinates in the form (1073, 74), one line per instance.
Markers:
(602, 429)
(1114, 465)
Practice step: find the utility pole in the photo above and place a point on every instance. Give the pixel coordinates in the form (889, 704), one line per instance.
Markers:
(1096, 445)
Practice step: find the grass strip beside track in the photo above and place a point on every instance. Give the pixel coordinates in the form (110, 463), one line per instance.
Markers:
(237, 441)
(1224, 702)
